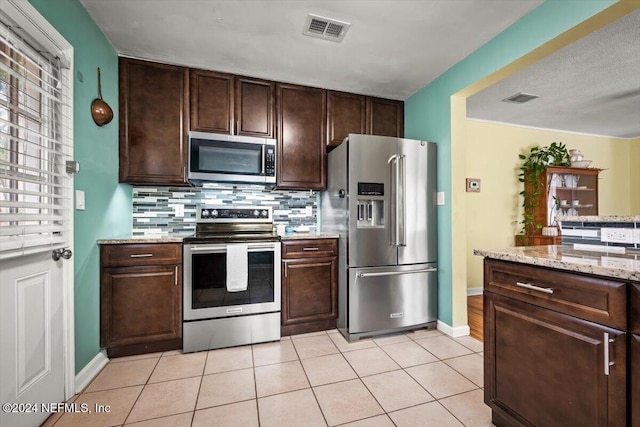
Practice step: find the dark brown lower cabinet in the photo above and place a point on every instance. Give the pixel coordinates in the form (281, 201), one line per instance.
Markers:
(309, 286)
(635, 380)
(544, 366)
(140, 298)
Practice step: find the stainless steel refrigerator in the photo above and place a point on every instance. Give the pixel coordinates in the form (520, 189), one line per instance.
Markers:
(381, 201)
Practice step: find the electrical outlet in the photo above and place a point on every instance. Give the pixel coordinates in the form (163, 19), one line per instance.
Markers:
(616, 235)
(178, 209)
(607, 261)
(473, 185)
(440, 198)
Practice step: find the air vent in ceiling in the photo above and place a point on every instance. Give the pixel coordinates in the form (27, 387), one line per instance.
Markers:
(325, 28)
(521, 98)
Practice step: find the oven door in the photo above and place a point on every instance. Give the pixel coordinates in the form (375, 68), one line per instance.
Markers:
(205, 293)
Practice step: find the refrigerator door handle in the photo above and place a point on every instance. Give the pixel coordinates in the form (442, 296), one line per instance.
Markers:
(402, 241)
(397, 273)
(393, 224)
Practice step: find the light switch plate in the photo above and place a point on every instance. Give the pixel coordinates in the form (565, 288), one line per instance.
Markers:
(473, 185)
(440, 198)
(309, 210)
(79, 200)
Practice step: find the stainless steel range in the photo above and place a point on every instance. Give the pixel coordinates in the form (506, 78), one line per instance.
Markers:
(231, 279)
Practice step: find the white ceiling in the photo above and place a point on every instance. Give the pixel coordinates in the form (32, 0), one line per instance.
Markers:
(591, 86)
(393, 48)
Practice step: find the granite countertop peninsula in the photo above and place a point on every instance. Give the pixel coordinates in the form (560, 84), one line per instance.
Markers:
(603, 218)
(620, 266)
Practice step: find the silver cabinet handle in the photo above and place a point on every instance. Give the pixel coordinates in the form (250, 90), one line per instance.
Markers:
(534, 287)
(397, 273)
(607, 362)
(175, 280)
(261, 246)
(310, 249)
(140, 255)
(263, 159)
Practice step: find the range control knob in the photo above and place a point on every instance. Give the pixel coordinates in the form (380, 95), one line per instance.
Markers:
(205, 213)
(214, 213)
(264, 214)
(256, 213)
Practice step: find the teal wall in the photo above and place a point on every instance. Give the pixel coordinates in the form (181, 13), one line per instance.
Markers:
(108, 204)
(428, 111)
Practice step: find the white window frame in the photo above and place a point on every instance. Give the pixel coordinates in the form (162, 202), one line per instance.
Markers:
(44, 34)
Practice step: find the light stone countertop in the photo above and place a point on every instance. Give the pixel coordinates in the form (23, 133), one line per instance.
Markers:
(123, 240)
(619, 266)
(178, 238)
(603, 218)
(304, 236)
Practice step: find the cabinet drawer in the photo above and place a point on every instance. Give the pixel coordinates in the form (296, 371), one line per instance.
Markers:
(587, 297)
(140, 254)
(312, 248)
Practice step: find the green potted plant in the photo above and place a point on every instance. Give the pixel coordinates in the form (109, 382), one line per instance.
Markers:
(533, 166)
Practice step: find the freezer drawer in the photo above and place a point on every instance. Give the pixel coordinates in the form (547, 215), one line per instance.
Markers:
(386, 298)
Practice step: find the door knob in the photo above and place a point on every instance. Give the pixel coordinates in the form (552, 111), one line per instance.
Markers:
(61, 253)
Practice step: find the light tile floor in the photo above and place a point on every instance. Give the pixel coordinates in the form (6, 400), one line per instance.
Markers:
(421, 378)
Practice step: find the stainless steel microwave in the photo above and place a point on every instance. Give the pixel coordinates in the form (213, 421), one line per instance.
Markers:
(228, 158)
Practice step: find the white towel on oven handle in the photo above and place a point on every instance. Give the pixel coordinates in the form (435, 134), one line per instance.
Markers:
(237, 267)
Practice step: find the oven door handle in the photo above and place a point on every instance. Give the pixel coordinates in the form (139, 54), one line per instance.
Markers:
(223, 249)
(212, 249)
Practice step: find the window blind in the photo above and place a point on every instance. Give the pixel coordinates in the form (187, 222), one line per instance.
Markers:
(35, 143)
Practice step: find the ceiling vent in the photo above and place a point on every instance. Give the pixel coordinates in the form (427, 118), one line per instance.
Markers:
(521, 98)
(325, 28)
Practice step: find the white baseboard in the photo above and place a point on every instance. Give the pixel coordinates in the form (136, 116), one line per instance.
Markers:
(474, 291)
(89, 372)
(458, 331)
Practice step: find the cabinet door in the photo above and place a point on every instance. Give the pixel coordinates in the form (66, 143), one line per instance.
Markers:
(635, 380)
(301, 137)
(544, 368)
(345, 115)
(211, 101)
(141, 306)
(153, 121)
(309, 290)
(255, 103)
(385, 117)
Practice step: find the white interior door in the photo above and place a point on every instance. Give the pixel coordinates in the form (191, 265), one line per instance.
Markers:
(36, 216)
(31, 321)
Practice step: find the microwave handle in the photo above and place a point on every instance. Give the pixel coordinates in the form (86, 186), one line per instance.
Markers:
(263, 159)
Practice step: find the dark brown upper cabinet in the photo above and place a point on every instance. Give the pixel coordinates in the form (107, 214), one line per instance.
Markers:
(154, 117)
(255, 107)
(385, 117)
(301, 137)
(346, 113)
(211, 101)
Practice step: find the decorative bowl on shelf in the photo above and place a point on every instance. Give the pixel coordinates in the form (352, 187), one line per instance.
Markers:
(581, 164)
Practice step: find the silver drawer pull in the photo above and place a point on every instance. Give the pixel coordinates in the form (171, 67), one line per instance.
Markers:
(310, 249)
(535, 288)
(141, 255)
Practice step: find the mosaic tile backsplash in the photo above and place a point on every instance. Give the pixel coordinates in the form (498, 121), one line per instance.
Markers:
(155, 208)
(589, 233)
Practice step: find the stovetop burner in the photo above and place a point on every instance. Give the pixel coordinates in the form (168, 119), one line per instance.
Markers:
(238, 224)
